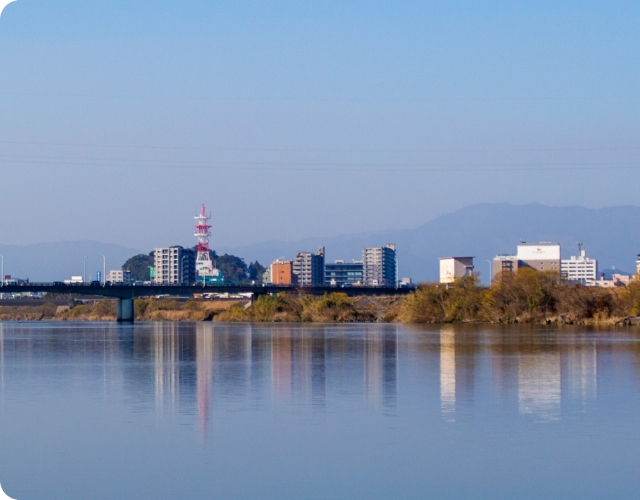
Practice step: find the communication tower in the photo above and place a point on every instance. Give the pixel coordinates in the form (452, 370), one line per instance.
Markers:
(206, 273)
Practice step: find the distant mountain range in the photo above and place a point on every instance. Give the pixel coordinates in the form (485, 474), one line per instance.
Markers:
(60, 260)
(611, 235)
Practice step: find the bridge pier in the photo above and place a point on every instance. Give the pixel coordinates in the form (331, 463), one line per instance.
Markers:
(124, 310)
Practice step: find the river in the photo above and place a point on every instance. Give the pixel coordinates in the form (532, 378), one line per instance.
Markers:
(238, 411)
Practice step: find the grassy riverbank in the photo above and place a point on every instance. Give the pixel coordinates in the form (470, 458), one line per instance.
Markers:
(525, 297)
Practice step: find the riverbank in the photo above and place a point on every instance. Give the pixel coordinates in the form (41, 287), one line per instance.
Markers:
(526, 297)
(332, 308)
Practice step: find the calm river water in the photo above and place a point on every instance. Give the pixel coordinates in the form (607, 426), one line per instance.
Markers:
(196, 411)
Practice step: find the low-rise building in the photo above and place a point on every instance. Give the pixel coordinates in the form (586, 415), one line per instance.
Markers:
(119, 276)
(75, 280)
(266, 276)
(281, 272)
(343, 273)
(616, 280)
(579, 269)
(453, 268)
(504, 264)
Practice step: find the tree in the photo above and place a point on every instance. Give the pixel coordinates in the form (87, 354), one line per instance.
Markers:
(138, 265)
(256, 271)
(233, 268)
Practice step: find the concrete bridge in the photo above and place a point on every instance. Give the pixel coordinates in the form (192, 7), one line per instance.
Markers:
(125, 294)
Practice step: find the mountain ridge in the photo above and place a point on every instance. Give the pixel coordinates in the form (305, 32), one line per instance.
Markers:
(609, 234)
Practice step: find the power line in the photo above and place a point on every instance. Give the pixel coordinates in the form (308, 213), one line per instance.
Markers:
(275, 167)
(319, 150)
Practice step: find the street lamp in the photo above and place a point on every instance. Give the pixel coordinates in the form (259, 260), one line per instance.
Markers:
(84, 273)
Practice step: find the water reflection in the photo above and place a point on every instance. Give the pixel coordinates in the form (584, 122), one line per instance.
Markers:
(191, 368)
(539, 389)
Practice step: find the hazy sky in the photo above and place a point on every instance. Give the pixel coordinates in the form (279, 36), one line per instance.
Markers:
(306, 118)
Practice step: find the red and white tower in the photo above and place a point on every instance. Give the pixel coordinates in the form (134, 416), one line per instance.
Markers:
(204, 266)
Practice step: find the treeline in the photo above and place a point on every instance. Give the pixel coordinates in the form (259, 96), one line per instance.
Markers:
(527, 296)
(329, 308)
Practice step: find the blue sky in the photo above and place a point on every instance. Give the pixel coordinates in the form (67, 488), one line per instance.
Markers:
(295, 119)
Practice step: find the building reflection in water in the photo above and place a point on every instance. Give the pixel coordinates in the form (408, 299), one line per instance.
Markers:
(204, 369)
(190, 368)
(540, 384)
(165, 361)
(281, 347)
(582, 368)
(381, 365)
(457, 371)
(448, 372)
(298, 364)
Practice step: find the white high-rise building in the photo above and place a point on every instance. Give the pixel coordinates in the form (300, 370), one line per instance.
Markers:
(173, 266)
(579, 269)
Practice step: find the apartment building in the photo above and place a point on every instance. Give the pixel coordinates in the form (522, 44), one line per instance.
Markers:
(119, 277)
(174, 265)
(308, 268)
(380, 266)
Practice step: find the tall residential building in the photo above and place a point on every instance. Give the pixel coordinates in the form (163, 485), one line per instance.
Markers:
(343, 273)
(308, 268)
(453, 268)
(174, 265)
(580, 269)
(380, 266)
(281, 272)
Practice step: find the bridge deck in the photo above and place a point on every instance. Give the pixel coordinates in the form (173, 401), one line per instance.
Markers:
(133, 291)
